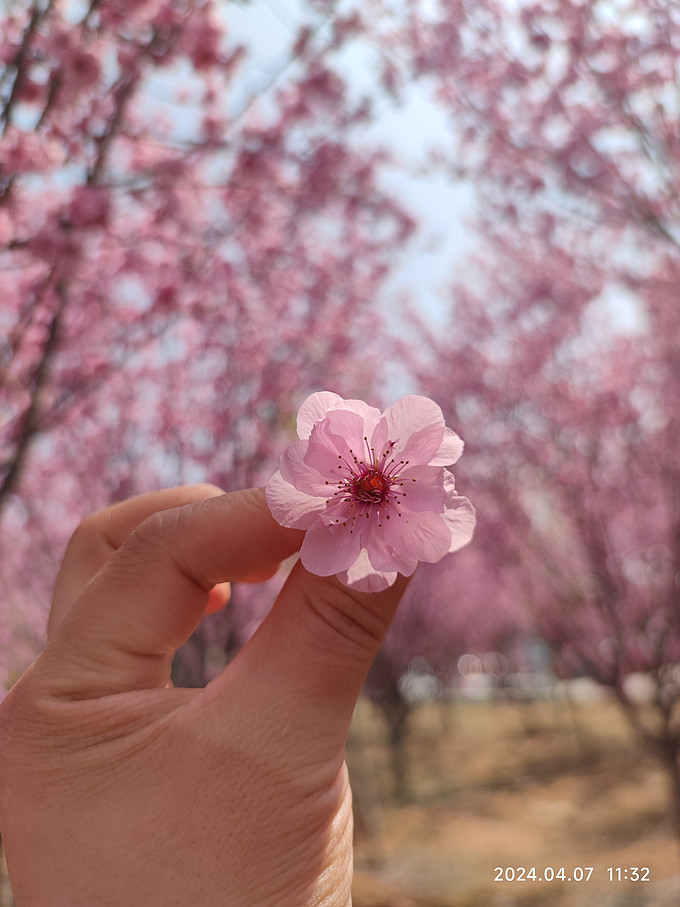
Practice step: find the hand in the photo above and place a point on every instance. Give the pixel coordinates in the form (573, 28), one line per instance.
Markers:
(117, 789)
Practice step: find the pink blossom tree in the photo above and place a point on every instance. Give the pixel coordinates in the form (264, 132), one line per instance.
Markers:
(562, 360)
(180, 262)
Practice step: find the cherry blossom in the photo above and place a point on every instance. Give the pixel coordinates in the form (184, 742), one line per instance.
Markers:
(563, 338)
(371, 489)
(168, 226)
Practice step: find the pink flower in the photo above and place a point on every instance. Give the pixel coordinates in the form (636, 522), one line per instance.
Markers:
(371, 489)
(89, 206)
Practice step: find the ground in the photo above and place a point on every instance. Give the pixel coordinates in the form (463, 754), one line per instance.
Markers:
(509, 785)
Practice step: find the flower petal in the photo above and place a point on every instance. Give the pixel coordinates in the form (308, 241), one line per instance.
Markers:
(422, 447)
(326, 551)
(450, 450)
(299, 474)
(379, 440)
(289, 506)
(411, 414)
(418, 534)
(337, 510)
(313, 410)
(421, 488)
(459, 515)
(334, 443)
(381, 553)
(369, 414)
(363, 576)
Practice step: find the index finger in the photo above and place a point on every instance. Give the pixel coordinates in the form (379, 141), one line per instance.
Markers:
(146, 601)
(101, 534)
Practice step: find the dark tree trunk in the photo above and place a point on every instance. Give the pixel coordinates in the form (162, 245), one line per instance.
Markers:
(382, 688)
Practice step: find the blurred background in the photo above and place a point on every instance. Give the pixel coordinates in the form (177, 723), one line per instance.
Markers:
(211, 208)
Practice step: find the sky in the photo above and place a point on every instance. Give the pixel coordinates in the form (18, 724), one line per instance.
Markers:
(425, 269)
(439, 203)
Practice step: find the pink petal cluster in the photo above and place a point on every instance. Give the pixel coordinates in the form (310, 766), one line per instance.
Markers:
(371, 489)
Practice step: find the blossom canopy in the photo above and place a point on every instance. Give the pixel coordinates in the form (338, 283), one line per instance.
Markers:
(371, 489)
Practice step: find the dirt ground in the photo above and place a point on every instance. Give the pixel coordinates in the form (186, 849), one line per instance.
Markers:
(503, 785)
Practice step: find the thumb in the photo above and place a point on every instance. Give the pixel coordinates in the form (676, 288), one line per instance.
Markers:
(306, 664)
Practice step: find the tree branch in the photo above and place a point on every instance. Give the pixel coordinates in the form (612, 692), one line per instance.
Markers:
(31, 422)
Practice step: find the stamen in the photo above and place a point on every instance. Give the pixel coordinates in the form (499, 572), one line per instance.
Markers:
(369, 484)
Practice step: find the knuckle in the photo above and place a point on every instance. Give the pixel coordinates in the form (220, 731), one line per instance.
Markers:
(86, 541)
(153, 532)
(205, 490)
(166, 539)
(85, 530)
(350, 616)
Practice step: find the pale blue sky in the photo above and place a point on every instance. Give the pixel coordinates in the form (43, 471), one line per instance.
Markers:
(424, 268)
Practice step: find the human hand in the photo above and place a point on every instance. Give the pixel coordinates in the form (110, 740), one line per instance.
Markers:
(117, 789)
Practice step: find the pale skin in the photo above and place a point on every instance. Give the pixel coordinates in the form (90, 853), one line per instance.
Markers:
(117, 789)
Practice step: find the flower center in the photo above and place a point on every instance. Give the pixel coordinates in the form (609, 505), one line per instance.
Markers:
(371, 487)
